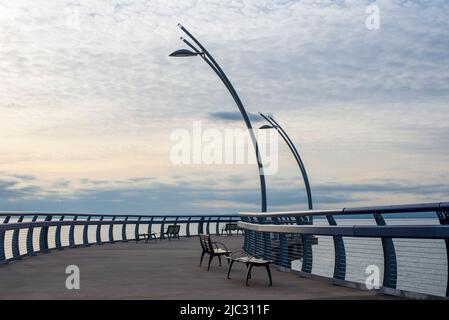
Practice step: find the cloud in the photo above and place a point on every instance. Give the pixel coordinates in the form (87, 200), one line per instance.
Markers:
(204, 197)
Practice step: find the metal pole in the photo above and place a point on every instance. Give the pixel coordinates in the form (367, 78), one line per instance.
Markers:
(216, 67)
(295, 153)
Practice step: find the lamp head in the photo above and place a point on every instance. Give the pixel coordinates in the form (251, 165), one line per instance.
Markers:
(266, 126)
(183, 53)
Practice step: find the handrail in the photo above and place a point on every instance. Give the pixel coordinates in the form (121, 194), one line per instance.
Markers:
(404, 208)
(61, 230)
(403, 231)
(72, 214)
(404, 247)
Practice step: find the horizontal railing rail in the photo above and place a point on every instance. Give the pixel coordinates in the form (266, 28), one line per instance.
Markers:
(25, 234)
(113, 215)
(407, 244)
(395, 209)
(406, 231)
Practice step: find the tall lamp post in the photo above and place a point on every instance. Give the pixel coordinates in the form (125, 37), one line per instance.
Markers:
(340, 260)
(207, 57)
(274, 125)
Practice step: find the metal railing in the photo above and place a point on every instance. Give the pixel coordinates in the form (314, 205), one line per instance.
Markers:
(27, 234)
(405, 246)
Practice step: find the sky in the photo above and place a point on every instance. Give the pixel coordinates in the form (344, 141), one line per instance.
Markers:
(89, 99)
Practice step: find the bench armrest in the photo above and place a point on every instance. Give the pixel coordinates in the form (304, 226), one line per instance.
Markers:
(220, 243)
(241, 254)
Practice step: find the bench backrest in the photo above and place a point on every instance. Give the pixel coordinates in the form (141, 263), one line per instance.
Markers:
(206, 243)
(174, 229)
(230, 227)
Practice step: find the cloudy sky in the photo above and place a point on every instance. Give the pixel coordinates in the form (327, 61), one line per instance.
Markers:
(89, 98)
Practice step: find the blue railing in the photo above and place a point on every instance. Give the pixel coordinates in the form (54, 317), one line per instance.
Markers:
(411, 254)
(27, 234)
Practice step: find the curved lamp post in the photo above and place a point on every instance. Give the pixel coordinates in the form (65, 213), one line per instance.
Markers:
(274, 125)
(207, 57)
(340, 259)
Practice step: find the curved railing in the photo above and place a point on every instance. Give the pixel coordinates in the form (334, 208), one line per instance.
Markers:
(27, 234)
(406, 247)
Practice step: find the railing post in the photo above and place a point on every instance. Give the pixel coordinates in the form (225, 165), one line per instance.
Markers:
(136, 230)
(217, 227)
(245, 237)
(266, 238)
(200, 226)
(307, 253)
(58, 236)
(86, 233)
(256, 242)
(283, 250)
(267, 245)
(43, 237)
(162, 228)
(207, 225)
(176, 222)
(124, 238)
(251, 239)
(98, 231)
(15, 241)
(30, 247)
(390, 264)
(251, 244)
(150, 226)
(248, 236)
(443, 217)
(2, 243)
(2, 247)
(340, 253)
(72, 243)
(111, 231)
(188, 227)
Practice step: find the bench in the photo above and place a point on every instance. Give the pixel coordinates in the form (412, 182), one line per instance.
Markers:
(229, 227)
(172, 232)
(146, 236)
(250, 262)
(213, 249)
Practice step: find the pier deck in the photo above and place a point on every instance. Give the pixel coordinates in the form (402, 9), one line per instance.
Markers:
(160, 270)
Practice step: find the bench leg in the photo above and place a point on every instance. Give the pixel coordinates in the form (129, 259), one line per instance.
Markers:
(269, 274)
(247, 266)
(210, 260)
(202, 256)
(219, 259)
(248, 274)
(230, 267)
